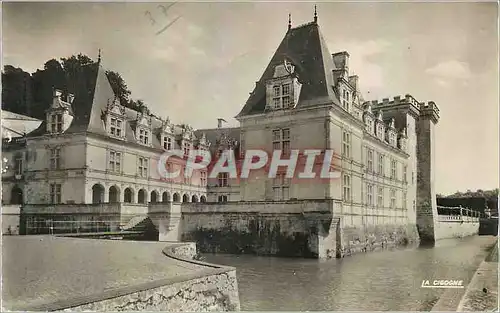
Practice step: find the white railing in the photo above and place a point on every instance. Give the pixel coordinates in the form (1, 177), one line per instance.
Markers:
(458, 214)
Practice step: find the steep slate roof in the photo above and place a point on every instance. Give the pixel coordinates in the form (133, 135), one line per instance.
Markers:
(305, 48)
(92, 94)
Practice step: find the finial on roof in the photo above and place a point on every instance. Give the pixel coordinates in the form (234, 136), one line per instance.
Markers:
(289, 21)
(315, 14)
(99, 57)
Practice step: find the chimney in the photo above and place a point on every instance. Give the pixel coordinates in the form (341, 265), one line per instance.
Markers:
(70, 98)
(57, 93)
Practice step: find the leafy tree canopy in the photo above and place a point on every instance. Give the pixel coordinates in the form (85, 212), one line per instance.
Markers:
(31, 94)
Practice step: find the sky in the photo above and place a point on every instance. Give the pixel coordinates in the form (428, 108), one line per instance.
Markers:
(205, 64)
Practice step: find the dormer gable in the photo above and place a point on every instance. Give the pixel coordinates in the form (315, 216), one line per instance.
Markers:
(114, 117)
(391, 133)
(369, 119)
(380, 126)
(403, 139)
(60, 113)
(203, 143)
(187, 138)
(143, 132)
(167, 135)
(283, 89)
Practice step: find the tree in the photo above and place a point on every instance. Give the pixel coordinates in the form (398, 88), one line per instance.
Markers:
(32, 94)
(16, 90)
(119, 87)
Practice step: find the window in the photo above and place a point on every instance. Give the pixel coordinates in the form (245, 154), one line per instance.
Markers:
(223, 177)
(369, 125)
(282, 96)
(55, 158)
(404, 200)
(116, 127)
(281, 140)
(242, 146)
(55, 193)
(167, 143)
(281, 187)
(381, 164)
(186, 146)
(203, 178)
(56, 123)
(18, 165)
(405, 180)
(393, 169)
(380, 131)
(143, 167)
(412, 177)
(345, 100)
(380, 197)
(346, 147)
(222, 198)
(347, 187)
(393, 199)
(115, 161)
(392, 139)
(143, 136)
(369, 194)
(370, 160)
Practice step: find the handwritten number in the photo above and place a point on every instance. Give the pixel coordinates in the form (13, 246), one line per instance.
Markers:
(150, 17)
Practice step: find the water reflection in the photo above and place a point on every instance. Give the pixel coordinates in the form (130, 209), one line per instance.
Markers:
(386, 280)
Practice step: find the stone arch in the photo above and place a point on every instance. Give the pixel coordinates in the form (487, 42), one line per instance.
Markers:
(165, 197)
(194, 198)
(142, 196)
(203, 199)
(128, 195)
(16, 195)
(98, 193)
(185, 198)
(114, 194)
(154, 196)
(176, 197)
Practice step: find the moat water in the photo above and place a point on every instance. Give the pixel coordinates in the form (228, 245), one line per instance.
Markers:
(385, 280)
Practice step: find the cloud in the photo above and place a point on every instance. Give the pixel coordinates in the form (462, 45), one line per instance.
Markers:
(450, 72)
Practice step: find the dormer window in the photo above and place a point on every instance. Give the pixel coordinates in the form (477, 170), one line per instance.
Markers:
(281, 97)
(392, 139)
(167, 143)
(143, 136)
(369, 125)
(380, 131)
(56, 122)
(115, 128)
(186, 147)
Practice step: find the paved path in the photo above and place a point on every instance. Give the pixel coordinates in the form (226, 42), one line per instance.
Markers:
(44, 269)
(450, 299)
(482, 292)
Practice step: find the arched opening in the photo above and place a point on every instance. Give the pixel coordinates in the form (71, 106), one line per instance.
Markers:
(203, 199)
(97, 193)
(194, 198)
(154, 196)
(128, 195)
(114, 194)
(141, 196)
(16, 196)
(176, 197)
(185, 198)
(165, 197)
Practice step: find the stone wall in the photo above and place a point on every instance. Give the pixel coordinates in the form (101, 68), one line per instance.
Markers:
(10, 219)
(300, 229)
(375, 237)
(456, 229)
(213, 289)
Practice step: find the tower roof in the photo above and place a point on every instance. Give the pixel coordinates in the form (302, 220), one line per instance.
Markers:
(305, 48)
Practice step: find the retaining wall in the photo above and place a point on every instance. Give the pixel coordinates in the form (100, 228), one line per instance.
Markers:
(213, 289)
